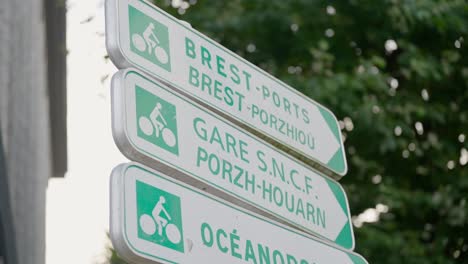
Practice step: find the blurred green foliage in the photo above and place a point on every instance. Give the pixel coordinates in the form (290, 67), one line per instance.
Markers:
(395, 72)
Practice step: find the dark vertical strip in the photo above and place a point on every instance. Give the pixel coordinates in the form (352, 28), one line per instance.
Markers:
(55, 15)
(7, 233)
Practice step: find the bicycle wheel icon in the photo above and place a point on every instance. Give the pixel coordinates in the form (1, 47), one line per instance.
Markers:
(173, 233)
(148, 129)
(139, 42)
(149, 227)
(141, 45)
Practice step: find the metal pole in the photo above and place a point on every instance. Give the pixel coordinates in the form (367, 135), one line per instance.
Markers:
(7, 229)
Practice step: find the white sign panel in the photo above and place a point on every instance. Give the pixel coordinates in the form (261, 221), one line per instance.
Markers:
(141, 35)
(156, 219)
(154, 125)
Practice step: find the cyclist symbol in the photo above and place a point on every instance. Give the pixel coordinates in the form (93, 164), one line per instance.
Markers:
(149, 223)
(156, 124)
(150, 43)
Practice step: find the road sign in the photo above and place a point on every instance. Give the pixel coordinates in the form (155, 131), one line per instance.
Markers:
(157, 126)
(141, 35)
(156, 218)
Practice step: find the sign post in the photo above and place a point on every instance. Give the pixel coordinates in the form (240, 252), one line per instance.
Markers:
(156, 219)
(162, 129)
(140, 35)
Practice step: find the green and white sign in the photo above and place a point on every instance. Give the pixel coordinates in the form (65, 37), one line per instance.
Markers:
(159, 217)
(143, 36)
(157, 126)
(156, 219)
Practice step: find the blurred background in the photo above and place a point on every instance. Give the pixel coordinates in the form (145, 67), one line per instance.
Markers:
(394, 72)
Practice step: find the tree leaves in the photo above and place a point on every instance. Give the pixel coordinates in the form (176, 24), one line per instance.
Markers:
(395, 73)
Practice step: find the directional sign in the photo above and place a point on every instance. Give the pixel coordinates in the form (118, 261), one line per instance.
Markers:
(143, 36)
(159, 127)
(156, 218)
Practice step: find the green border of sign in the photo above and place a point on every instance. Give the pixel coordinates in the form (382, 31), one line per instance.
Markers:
(347, 240)
(355, 258)
(337, 165)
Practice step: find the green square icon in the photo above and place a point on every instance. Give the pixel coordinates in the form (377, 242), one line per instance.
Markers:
(159, 217)
(149, 38)
(156, 120)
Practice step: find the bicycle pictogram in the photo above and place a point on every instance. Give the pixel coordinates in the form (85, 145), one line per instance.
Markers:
(156, 125)
(149, 42)
(156, 222)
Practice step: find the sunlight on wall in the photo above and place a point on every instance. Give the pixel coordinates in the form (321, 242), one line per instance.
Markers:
(77, 206)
